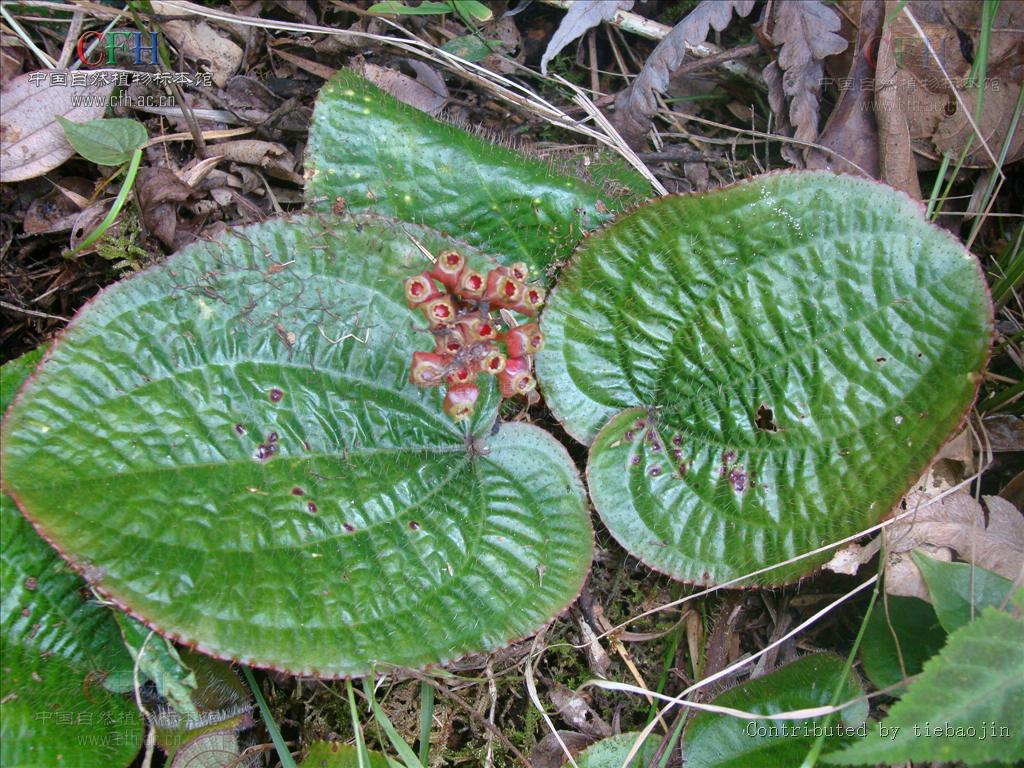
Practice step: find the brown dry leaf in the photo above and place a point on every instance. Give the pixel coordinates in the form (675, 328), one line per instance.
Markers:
(427, 91)
(269, 155)
(806, 33)
(198, 41)
(1005, 432)
(957, 522)
(313, 67)
(850, 558)
(936, 121)
(902, 577)
(851, 131)
(160, 193)
(1013, 491)
(510, 50)
(548, 753)
(896, 157)
(85, 222)
(57, 210)
(580, 17)
(31, 140)
(574, 709)
(636, 105)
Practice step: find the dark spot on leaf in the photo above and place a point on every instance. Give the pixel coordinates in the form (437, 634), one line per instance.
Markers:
(349, 528)
(272, 437)
(296, 491)
(654, 471)
(639, 424)
(766, 419)
(728, 457)
(630, 434)
(413, 525)
(683, 469)
(738, 478)
(305, 445)
(311, 506)
(881, 359)
(239, 429)
(276, 395)
(677, 454)
(264, 451)
(677, 440)
(31, 583)
(634, 459)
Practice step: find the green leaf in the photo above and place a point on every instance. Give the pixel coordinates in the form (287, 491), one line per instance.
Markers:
(331, 754)
(57, 647)
(399, 744)
(371, 151)
(784, 338)
(611, 752)
(111, 141)
(473, 9)
(158, 660)
(961, 706)
(396, 8)
(471, 47)
(960, 590)
(721, 741)
(15, 372)
(229, 444)
(899, 641)
(220, 700)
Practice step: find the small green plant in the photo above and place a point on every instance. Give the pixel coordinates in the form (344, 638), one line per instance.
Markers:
(735, 366)
(110, 141)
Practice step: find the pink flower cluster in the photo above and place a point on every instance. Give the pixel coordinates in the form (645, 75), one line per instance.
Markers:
(468, 342)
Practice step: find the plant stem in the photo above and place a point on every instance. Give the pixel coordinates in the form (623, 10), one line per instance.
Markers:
(287, 761)
(426, 719)
(115, 209)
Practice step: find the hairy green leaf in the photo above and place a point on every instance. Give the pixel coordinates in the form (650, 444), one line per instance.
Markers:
(398, 8)
(901, 635)
(331, 754)
(228, 445)
(774, 344)
(15, 372)
(959, 590)
(961, 706)
(722, 741)
(612, 751)
(158, 660)
(57, 646)
(110, 141)
(369, 150)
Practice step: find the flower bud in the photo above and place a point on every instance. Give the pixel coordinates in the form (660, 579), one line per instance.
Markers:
(427, 369)
(471, 285)
(532, 301)
(460, 400)
(476, 329)
(524, 340)
(420, 288)
(450, 341)
(447, 268)
(503, 290)
(516, 379)
(494, 363)
(439, 311)
(461, 375)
